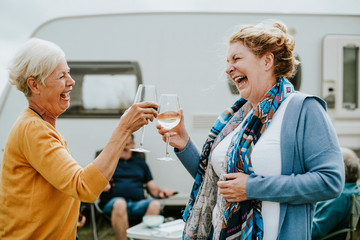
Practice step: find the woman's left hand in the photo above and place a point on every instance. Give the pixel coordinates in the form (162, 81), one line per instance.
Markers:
(234, 188)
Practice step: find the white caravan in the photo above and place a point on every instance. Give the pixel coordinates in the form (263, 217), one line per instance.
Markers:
(184, 53)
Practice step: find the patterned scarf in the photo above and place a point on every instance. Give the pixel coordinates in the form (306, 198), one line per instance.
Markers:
(241, 220)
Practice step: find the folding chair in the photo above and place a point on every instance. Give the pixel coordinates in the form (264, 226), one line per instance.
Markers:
(95, 212)
(353, 220)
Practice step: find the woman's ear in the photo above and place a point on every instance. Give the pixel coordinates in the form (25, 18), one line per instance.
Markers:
(33, 85)
(268, 60)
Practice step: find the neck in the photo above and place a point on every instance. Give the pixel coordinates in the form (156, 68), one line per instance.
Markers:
(256, 102)
(266, 90)
(43, 113)
(125, 157)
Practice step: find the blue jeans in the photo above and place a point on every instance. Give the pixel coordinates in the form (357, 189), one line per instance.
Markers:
(134, 208)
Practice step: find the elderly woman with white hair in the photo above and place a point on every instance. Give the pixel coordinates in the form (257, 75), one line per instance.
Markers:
(41, 184)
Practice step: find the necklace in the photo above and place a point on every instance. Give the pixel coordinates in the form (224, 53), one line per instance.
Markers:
(37, 113)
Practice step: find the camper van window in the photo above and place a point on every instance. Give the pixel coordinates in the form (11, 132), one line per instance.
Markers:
(102, 90)
(350, 76)
(111, 91)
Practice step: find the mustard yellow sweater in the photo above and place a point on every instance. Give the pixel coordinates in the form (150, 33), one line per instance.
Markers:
(41, 184)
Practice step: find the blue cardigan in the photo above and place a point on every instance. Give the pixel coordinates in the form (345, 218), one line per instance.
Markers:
(312, 167)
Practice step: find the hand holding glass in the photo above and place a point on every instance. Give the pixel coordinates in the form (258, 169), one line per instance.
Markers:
(145, 93)
(168, 117)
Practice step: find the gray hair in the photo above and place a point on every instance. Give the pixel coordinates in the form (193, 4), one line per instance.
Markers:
(352, 165)
(38, 59)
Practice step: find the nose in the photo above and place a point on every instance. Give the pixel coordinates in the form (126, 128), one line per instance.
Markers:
(229, 69)
(71, 81)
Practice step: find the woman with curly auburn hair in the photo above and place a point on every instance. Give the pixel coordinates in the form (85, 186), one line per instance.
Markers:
(269, 157)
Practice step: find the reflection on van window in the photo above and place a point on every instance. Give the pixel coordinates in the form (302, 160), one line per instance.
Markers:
(101, 94)
(108, 91)
(102, 89)
(350, 76)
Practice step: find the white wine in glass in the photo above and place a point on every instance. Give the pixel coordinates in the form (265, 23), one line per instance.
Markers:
(168, 117)
(145, 93)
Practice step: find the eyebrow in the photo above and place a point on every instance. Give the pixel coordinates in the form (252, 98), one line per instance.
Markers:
(232, 58)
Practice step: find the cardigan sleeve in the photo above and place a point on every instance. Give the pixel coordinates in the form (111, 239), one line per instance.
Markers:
(46, 151)
(189, 157)
(318, 169)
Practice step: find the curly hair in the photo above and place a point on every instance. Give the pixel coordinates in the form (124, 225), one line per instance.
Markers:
(263, 38)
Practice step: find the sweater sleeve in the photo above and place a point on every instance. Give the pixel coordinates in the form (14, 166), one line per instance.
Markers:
(46, 151)
(189, 157)
(318, 151)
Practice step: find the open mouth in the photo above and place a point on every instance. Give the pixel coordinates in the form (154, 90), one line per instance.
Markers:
(241, 80)
(65, 96)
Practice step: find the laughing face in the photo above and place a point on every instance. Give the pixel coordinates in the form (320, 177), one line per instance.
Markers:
(252, 75)
(55, 94)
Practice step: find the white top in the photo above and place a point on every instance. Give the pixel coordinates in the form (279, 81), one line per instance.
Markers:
(219, 165)
(266, 161)
(217, 156)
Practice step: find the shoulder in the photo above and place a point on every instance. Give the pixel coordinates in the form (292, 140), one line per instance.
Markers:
(302, 109)
(28, 122)
(304, 100)
(302, 104)
(32, 129)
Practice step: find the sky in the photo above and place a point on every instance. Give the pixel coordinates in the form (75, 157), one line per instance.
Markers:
(19, 18)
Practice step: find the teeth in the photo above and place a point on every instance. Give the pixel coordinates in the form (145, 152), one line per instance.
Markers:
(238, 79)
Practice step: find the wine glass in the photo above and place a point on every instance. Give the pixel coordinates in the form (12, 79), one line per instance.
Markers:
(168, 117)
(145, 93)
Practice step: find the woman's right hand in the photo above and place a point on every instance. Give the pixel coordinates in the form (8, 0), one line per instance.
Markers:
(179, 137)
(138, 115)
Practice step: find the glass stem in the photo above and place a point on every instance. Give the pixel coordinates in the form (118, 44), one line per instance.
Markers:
(167, 145)
(142, 137)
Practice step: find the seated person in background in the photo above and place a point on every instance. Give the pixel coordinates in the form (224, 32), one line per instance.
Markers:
(126, 196)
(82, 219)
(333, 214)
